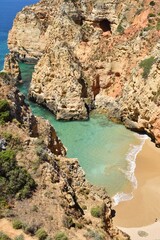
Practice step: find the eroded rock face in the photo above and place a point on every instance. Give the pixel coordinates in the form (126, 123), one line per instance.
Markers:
(105, 44)
(32, 24)
(57, 89)
(23, 117)
(63, 199)
(144, 93)
(11, 68)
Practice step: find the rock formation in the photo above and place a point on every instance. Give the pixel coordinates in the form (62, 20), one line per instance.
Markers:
(63, 199)
(63, 93)
(102, 54)
(11, 68)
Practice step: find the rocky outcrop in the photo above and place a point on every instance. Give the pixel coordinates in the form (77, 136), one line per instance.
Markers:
(110, 47)
(11, 67)
(144, 114)
(21, 114)
(63, 93)
(33, 24)
(63, 199)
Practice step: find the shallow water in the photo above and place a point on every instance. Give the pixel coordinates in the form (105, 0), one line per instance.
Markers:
(104, 149)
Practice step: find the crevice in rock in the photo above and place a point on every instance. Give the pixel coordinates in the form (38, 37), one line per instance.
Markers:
(88, 108)
(96, 86)
(77, 207)
(84, 93)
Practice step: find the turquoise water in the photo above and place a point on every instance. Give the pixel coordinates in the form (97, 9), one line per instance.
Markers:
(3, 47)
(106, 151)
(101, 146)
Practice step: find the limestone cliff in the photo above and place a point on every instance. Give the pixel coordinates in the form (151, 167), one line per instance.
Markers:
(63, 200)
(11, 68)
(102, 54)
(63, 92)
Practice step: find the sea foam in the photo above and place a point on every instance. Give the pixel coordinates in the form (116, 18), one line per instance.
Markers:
(131, 159)
(119, 197)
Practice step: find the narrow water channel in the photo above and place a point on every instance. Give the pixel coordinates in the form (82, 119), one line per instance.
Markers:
(106, 151)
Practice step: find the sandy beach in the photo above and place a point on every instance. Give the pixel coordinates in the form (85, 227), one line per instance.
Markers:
(144, 208)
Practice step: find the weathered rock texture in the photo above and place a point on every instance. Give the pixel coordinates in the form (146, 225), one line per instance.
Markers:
(11, 68)
(21, 114)
(63, 199)
(63, 93)
(92, 55)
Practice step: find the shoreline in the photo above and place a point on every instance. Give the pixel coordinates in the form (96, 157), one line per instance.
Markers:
(143, 210)
(131, 157)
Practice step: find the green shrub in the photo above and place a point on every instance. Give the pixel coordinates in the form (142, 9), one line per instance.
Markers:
(8, 136)
(4, 105)
(149, 27)
(68, 222)
(41, 150)
(150, 20)
(4, 236)
(4, 111)
(3, 202)
(79, 225)
(120, 29)
(152, 3)
(13, 141)
(94, 235)
(41, 234)
(20, 237)
(61, 236)
(42, 153)
(96, 211)
(84, 207)
(35, 208)
(146, 65)
(32, 229)
(15, 180)
(7, 162)
(49, 238)
(4, 117)
(150, 15)
(17, 224)
(3, 74)
(138, 11)
(158, 25)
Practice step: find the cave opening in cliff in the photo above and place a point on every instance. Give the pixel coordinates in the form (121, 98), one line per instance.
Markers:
(105, 25)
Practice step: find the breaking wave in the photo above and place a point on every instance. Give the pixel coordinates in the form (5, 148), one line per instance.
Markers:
(131, 159)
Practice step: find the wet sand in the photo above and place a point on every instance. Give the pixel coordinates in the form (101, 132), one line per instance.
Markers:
(144, 208)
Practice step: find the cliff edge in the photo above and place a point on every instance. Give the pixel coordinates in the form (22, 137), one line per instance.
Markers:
(93, 54)
(43, 191)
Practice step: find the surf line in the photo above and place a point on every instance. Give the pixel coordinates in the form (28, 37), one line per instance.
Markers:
(131, 159)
